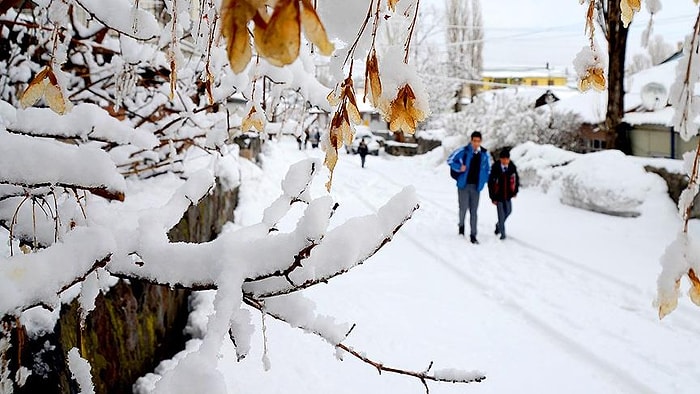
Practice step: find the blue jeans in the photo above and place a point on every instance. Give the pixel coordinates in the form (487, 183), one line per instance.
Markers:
(468, 198)
(504, 209)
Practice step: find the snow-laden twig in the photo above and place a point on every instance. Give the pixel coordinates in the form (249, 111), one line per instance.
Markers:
(682, 93)
(681, 257)
(448, 375)
(80, 371)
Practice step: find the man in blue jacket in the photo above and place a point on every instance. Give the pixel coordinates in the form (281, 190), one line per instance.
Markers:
(472, 164)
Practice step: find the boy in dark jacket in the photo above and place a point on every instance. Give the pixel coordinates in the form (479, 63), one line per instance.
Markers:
(504, 183)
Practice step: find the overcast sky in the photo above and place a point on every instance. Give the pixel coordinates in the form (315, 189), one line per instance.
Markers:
(534, 32)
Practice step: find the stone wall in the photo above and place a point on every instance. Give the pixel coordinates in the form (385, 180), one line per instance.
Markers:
(676, 184)
(420, 146)
(133, 327)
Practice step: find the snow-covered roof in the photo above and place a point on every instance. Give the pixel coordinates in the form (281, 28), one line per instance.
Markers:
(530, 92)
(664, 74)
(662, 117)
(590, 106)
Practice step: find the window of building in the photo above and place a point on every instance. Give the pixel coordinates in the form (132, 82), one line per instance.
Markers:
(534, 82)
(597, 144)
(550, 82)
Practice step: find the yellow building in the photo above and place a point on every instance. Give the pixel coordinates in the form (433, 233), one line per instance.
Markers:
(523, 76)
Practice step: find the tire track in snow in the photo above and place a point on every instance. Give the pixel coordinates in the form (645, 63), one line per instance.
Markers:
(583, 268)
(685, 316)
(580, 349)
(615, 374)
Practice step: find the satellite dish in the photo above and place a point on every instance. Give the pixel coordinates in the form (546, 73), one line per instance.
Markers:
(654, 96)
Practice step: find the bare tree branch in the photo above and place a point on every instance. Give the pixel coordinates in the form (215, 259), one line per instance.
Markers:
(423, 376)
(101, 191)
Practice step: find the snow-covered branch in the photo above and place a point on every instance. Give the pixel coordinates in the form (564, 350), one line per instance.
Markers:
(681, 256)
(289, 311)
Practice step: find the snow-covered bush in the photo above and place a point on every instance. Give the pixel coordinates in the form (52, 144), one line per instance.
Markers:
(607, 182)
(507, 120)
(540, 165)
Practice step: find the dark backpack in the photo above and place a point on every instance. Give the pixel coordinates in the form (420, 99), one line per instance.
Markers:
(455, 174)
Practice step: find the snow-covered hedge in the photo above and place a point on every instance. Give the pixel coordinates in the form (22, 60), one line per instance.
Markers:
(607, 182)
(540, 165)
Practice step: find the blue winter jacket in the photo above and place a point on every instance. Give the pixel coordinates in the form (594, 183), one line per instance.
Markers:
(458, 157)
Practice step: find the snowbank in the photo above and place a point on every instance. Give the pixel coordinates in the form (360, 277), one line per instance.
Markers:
(607, 182)
(540, 165)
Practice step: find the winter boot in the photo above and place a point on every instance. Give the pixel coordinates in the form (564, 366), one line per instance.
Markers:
(461, 230)
(473, 240)
(497, 231)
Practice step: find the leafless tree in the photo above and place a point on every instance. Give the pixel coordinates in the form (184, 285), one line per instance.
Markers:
(464, 43)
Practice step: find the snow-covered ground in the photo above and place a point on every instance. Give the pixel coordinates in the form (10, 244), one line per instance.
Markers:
(563, 305)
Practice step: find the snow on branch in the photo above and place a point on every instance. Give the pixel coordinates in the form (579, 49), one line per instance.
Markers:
(38, 278)
(84, 122)
(682, 94)
(82, 167)
(80, 371)
(294, 188)
(681, 257)
(121, 16)
(298, 313)
(325, 261)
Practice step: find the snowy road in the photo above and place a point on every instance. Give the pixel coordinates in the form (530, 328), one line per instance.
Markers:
(563, 305)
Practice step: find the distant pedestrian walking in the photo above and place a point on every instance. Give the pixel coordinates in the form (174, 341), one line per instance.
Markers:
(315, 137)
(504, 184)
(363, 150)
(470, 167)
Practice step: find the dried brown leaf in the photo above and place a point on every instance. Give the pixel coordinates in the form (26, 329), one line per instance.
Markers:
(594, 78)
(54, 98)
(403, 114)
(314, 30)
(280, 39)
(252, 121)
(590, 18)
(333, 97)
(392, 4)
(694, 287)
(36, 89)
(341, 132)
(629, 8)
(373, 83)
(352, 110)
(54, 94)
(235, 15)
(669, 303)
